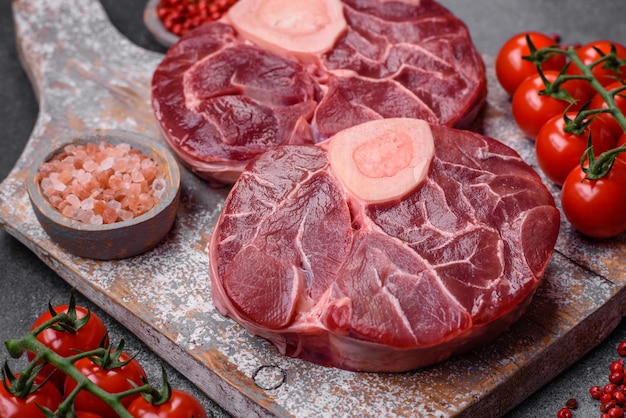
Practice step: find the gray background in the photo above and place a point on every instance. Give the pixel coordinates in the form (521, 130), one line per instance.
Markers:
(27, 284)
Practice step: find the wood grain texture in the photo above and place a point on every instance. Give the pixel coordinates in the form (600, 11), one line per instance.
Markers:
(87, 76)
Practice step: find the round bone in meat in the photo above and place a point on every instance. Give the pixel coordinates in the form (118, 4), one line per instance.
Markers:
(330, 278)
(382, 160)
(300, 28)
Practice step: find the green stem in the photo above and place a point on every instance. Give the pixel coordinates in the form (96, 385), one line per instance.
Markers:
(587, 74)
(66, 365)
(607, 96)
(600, 167)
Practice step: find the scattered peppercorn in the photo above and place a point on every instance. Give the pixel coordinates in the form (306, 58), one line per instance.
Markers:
(596, 392)
(617, 377)
(571, 403)
(617, 365)
(181, 16)
(612, 395)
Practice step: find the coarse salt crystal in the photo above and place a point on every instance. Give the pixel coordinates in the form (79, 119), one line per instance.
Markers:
(137, 176)
(109, 215)
(65, 176)
(106, 164)
(87, 204)
(59, 186)
(90, 166)
(158, 187)
(82, 176)
(55, 200)
(73, 200)
(99, 206)
(68, 211)
(125, 215)
(147, 163)
(115, 182)
(115, 205)
(120, 165)
(134, 189)
(46, 183)
(83, 215)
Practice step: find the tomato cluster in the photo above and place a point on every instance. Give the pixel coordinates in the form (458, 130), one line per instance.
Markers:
(114, 372)
(557, 108)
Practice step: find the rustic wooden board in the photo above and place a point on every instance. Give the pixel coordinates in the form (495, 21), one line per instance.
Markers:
(86, 75)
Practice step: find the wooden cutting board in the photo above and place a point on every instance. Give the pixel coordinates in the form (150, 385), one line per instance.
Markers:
(87, 75)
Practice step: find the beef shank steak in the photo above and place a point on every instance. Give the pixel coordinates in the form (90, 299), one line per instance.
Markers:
(390, 280)
(257, 79)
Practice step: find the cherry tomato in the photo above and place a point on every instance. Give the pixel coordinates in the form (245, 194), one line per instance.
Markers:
(511, 69)
(84, 414)
(180, 405)
(113, 380)
(620, 102)
(588, 54)
(65, 344)
(532, 110)
(13, 407)
(596, 208)
(558, 152)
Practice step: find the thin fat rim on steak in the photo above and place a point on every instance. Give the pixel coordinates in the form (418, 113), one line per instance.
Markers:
(228, 91)
(333, 275)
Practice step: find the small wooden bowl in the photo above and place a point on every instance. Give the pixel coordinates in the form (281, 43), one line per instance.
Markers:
(155, 26)
(120, 239)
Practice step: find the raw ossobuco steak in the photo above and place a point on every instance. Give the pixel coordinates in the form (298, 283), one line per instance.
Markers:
(274, 72)
(391, 246)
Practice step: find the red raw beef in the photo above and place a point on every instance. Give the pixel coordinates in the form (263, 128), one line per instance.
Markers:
(388, 287)
(221, 100)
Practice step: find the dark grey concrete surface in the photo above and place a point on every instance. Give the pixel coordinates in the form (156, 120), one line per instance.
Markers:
(27, 284)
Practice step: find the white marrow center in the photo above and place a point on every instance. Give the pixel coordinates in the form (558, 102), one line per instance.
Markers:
(382, 160)
(297, 27)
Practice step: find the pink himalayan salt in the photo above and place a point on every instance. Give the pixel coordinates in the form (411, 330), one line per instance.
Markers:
(101, 183)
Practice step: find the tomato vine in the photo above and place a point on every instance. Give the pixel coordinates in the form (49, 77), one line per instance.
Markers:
(22, 391)
(597, 168)
(583, 152)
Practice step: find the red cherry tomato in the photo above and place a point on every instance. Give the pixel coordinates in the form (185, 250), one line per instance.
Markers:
(113, 380)
(84, 414)
(558, 152)
(65, 344)
(596, 208)
(180, 405)
(13, 407)
(532, 110)
(620, 102)
(512, 69)
(588, 54)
